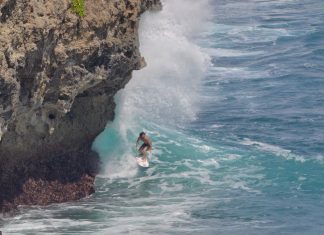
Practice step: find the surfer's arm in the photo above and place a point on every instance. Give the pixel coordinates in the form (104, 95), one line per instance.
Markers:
(149, 143)
(138, 139)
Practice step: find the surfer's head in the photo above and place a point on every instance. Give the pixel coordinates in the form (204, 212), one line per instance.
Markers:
(141, 135)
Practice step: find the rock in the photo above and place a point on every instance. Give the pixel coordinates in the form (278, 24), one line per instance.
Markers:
(58, 76)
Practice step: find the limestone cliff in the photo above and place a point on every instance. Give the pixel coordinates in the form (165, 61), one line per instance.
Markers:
(58, 75)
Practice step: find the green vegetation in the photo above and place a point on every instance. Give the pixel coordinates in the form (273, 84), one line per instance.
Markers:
(78, 7)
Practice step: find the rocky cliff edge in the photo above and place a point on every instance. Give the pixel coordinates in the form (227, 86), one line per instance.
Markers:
(59, 73)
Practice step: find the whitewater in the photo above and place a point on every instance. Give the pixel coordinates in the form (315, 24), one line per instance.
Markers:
(233, 99)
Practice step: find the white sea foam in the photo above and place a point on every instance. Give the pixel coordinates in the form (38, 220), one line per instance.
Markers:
(229, 74)
(302, 178)
(222, 52)
(320, 158)
(166, 187)
(276, 150)
(231, 157)
(123, 167)
(210, 162)
(204, 148)
(165, 92)
(37, 226)
(242, 185)
(216, 126)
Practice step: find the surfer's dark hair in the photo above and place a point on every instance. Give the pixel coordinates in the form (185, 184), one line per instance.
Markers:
(142, 133)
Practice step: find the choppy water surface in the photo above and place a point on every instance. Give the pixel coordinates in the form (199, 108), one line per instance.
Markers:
(233, 99)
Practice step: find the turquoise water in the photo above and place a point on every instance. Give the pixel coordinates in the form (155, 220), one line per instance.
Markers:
(232, 98)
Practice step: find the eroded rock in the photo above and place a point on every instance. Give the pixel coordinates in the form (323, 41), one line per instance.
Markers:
(58, 76)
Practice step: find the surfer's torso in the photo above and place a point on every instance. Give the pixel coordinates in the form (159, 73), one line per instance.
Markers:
(147, 143)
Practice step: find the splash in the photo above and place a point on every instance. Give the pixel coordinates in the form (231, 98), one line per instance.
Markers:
(165, 93)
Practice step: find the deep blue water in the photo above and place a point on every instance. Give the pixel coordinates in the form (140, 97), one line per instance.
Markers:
(268, 77)
(232, 98)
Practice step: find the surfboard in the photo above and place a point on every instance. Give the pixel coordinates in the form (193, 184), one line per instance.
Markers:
(142, 163)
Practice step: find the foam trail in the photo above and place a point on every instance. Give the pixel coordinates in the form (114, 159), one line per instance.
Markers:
(166, 91)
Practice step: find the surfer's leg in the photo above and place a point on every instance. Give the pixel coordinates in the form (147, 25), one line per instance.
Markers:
(144, 152)
(141, 148)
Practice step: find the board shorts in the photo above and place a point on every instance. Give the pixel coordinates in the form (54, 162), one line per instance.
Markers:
(144, 145)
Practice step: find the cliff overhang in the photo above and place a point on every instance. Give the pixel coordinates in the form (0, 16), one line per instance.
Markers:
(58, 75)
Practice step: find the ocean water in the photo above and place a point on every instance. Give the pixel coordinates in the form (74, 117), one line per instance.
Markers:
(233, 99)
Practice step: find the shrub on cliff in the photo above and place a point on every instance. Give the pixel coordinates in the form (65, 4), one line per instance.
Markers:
(78, 7)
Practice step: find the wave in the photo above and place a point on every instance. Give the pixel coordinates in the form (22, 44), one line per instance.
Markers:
(165, 93)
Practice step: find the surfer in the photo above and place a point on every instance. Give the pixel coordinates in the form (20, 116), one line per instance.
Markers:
(146, 146)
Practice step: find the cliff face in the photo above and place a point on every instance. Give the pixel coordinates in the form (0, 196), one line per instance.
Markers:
(58, 76)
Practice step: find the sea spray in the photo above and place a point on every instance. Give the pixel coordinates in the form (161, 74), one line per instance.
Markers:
(165, 93)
